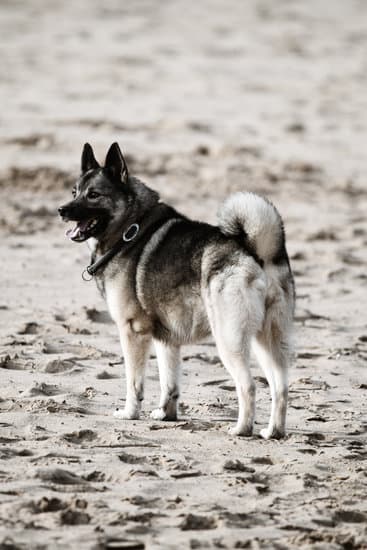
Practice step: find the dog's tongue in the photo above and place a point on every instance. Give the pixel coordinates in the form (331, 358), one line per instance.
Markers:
(72, 233)
(77, 230)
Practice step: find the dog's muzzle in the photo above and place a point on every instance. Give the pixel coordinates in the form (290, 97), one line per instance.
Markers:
(84, 228)
(62, 211)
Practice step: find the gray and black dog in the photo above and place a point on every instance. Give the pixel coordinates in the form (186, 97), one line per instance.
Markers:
(175, 281)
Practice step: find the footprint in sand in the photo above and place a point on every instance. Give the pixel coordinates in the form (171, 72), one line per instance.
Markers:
(74, 517)
(326, 234)
(60, 477)
(72, 513)
(97, 316)
(194, 522)
(146, 502)
(41, 389)
(55, 366)
(243, 520)
(14, 362)
(49, 405)
(96, 476)
(211, 360)
(131, 459)
(195, 425)
(77, 351)
(237, 466)
(7, 453)
(349, 516)
(264, 460)
(46, 504)
(105, 375)
(29, 328)
(80, 437)
(143, 472)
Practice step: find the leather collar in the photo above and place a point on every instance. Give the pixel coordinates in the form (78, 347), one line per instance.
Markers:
(127, 236)
(126, 242)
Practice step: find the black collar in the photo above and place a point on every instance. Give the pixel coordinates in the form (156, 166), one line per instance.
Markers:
(127, 236)
(161, 214)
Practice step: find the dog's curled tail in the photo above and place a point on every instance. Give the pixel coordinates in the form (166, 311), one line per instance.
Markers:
(257, 220)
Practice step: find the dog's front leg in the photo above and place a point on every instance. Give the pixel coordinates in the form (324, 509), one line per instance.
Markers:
(168, 358)
(135, 348)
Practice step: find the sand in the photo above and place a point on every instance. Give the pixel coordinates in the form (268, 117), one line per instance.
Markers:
(205, 98)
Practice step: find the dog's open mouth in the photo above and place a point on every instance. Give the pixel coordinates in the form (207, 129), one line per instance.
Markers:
(83, 230)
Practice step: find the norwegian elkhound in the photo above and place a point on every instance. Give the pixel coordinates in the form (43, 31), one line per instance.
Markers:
(175, 281)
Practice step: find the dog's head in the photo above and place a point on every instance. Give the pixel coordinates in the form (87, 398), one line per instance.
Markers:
(101, 195)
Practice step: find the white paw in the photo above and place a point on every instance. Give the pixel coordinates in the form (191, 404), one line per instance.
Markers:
(273, 433)
(240, 431)
(158, 414)
(125, 414)
(265, 433)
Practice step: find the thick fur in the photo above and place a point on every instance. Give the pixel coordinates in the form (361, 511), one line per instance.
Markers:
(182, 280)
(256, 219)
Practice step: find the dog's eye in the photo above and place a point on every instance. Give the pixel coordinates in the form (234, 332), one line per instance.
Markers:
(93, 195)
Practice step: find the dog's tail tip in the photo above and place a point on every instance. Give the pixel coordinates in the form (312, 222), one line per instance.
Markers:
(257, 219)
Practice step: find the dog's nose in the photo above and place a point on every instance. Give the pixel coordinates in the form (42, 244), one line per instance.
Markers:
(61, 210)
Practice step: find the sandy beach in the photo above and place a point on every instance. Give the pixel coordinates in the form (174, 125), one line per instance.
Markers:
(205, 99)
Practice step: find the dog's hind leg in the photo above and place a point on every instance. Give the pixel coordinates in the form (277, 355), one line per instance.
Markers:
(235, 311)
(237, 364)
(135, 348)
(272, 354)
(168, 358)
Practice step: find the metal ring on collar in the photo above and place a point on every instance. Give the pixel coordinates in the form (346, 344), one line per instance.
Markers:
(85, 277)
(131, 232)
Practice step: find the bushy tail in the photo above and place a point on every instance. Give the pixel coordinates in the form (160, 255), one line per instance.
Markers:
(258, 220)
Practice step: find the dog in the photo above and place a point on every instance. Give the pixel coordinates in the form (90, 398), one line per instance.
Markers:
(174, 281)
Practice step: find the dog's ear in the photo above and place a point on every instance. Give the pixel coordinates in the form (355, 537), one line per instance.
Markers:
(115, 163)
(88, 159)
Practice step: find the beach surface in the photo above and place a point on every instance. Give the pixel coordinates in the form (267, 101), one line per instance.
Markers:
(205, 99)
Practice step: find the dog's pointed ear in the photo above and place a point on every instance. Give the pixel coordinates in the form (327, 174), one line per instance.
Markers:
(115, 163)
(88, 159)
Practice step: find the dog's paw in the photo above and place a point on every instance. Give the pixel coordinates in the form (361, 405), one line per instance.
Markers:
(240, 431)
(272, 433)
(125, 414)
(160, 414)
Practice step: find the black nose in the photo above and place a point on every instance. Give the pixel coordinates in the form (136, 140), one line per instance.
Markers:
(62, 210)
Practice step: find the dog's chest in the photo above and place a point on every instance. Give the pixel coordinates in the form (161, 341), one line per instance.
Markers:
(120, 298)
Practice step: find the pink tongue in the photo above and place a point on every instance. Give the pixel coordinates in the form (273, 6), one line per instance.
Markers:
(79, 228)
(72, 233)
